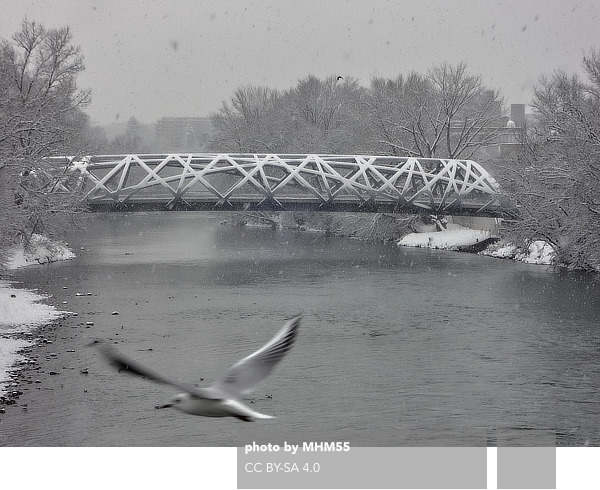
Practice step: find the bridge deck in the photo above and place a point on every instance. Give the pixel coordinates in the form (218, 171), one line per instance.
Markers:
(298, 204)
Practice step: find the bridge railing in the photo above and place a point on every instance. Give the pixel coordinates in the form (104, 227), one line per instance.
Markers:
(281, 182)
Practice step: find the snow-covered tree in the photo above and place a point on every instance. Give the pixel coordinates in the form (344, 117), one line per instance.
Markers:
(41, 103)
(555, 179)
(40, 115)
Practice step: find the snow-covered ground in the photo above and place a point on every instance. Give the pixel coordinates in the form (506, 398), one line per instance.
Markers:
(21, 310)
(41, 251)
(453, 238)
(539, 252)
(456, 237)
(20, 313)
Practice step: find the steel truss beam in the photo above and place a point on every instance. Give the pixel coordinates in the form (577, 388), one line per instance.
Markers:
(289, 182)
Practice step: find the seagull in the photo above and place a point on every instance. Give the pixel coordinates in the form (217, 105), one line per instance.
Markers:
(222, 399)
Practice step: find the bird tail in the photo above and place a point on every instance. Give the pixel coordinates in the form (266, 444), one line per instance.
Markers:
(239, 410)
(258, 415)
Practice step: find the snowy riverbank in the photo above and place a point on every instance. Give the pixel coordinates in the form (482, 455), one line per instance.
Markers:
(41, 250)
(21, 311)
(538, 252)
(454, 237)
(457, 237)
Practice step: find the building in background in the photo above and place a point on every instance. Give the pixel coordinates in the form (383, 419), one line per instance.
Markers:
(509, 137)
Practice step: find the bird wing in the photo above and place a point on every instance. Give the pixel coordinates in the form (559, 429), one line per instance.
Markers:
(241, 378)
(122, 363)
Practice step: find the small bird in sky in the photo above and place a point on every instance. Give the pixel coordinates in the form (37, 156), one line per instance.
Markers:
(222, 399)
(340, 77)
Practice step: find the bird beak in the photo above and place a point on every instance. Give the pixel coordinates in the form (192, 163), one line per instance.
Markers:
(166, 405)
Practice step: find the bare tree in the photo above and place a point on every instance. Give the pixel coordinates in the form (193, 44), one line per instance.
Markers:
(394, 115)
(448, 113)
(467, 111)
(324, 115)
(314, 116)
(249, 122)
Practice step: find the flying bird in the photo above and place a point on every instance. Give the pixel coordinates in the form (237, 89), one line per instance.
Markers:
(222, 399)
(340, 77)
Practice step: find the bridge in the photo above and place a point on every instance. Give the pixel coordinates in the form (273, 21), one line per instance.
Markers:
(253, 182)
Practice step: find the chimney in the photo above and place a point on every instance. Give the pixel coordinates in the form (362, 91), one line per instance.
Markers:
(517, 115)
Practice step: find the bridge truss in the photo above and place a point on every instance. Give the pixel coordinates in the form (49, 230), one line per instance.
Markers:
(289, 182)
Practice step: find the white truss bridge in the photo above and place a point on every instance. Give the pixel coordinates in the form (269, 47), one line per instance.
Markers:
(287, 182)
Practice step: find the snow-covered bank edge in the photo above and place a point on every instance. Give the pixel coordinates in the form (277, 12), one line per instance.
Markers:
(538, 252)
(41, 250)
(457, 237)
(21, 310)
(454, 237)
(21, 315)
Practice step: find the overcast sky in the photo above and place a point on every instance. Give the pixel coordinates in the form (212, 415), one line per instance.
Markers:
(151, 59)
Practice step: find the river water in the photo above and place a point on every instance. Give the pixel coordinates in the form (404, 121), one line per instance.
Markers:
(397, 347)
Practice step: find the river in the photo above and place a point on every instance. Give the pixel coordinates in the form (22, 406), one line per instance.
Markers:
(397, 347)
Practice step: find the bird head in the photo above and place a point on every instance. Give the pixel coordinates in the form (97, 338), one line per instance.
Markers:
(175, 401)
